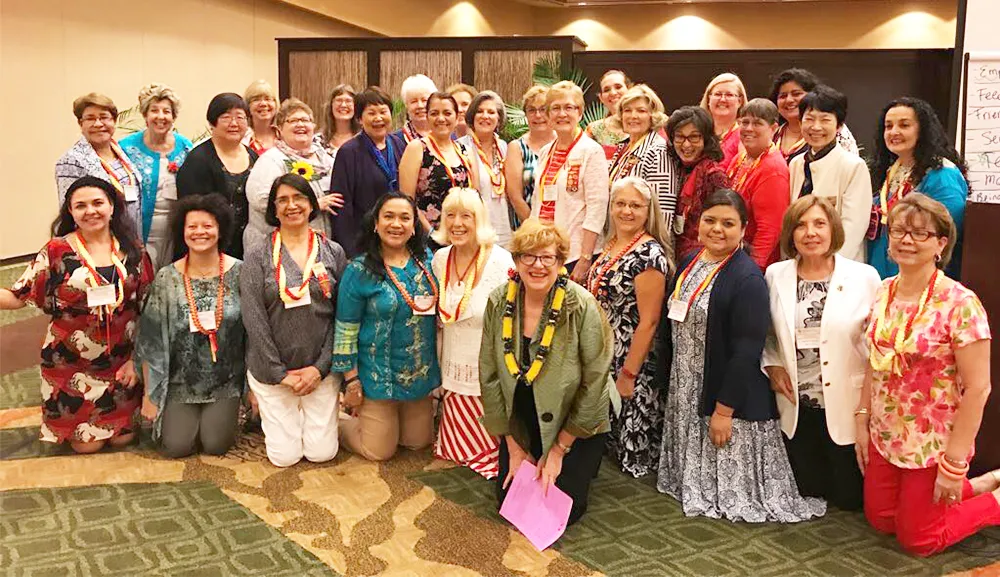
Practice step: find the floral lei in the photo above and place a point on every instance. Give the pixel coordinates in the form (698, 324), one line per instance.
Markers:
(548, 335)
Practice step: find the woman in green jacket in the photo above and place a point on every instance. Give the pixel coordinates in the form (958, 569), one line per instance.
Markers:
(543, 369)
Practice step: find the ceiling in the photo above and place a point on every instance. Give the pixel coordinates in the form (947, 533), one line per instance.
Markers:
(575, 3)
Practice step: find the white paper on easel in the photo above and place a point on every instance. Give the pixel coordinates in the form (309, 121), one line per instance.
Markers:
(981, 143)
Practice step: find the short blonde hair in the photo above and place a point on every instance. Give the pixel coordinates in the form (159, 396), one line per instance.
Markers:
(466, 199)
(794, 214)
(93, 99)
(153, 93)
(259, 89)
(565, 89)
(289, 107)
(639, 92)
(724, 77)
(534, 234)
(460, 87)
(936, 215)
(536, 91)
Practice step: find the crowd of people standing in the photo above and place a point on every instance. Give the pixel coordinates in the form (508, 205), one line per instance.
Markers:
(727, 297)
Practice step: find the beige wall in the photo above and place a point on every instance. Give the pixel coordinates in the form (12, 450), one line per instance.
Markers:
(52, 51)
(760, 25)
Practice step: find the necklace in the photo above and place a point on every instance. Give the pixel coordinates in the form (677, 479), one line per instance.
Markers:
(548, 334)
(288, 294)
(94, 279)
(597, 273)
(900, 185)
(212, 334)
(436, 153)
(497, 180)
(406, 295)
(625, 160)
(892, 360)
(469, 284)
(740, 162)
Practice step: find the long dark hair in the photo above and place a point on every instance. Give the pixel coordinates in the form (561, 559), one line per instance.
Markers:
(932, 144)
(121, 225)
(371, 244)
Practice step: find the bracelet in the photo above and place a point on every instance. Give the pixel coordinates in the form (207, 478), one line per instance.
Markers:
(353, 379)
(943, 469)
(952, 470)
(861, 411)
(958, 465)
(629, 374)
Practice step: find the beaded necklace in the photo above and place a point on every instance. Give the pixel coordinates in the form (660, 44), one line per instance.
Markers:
(548, 334)
(212, 334)
(892, 360)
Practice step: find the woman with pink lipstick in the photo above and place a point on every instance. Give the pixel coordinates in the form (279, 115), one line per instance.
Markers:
(522, 155)
(723, 98)
(613, 85)
(263, 103)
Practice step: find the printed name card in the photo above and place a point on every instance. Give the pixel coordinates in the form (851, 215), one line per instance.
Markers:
(982, 127)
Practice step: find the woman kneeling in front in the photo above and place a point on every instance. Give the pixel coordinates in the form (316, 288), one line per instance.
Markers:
(925, 391)
(288, 290)
(722, 454)
(813, 354)
(543, 369)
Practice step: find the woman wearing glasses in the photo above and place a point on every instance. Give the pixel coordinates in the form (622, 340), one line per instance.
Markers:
(522, 155)
(572, 186)
(222, 164)
(928, 333)
(723, 98)
(543, 369)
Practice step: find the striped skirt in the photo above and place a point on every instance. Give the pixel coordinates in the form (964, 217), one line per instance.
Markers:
(461, 437)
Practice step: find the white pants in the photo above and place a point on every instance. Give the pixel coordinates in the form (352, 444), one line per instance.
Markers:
(296, 427)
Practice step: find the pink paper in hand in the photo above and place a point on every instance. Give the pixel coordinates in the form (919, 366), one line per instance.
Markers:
(540, 518)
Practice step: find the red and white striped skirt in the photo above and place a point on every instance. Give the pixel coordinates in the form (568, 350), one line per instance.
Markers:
(463, 439)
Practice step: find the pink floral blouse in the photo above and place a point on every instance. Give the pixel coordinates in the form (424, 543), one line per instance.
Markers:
(912, 415)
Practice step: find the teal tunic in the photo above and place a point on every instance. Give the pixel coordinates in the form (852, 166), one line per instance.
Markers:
(377, 333)
(147, 162)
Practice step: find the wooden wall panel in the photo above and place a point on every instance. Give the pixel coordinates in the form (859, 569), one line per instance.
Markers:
(444, 67)
(507, 72)
(314, 74)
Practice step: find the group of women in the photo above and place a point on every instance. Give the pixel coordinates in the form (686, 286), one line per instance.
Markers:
(579, 291)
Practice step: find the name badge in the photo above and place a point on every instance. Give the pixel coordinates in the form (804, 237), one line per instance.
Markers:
(550, 193)
(131, 193)
(99, 296)
(207, 320)
(678, 310)
(807, 338)
(426, 304)
(305, 300)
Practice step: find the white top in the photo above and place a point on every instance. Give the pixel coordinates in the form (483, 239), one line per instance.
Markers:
(843, 179)
(459, 341)
(167, 186)
(496, 206)
(582, 193)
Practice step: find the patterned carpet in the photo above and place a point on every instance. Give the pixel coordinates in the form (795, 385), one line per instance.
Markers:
(132, 512)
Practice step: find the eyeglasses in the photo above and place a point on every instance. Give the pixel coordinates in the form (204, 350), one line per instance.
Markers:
(299, 120)
(695, 139)
(547, 260)
(232, 118)
(635, 206)
(103, 119)
(724, 95)
(533, 110)
(568, 109)
(898, 233)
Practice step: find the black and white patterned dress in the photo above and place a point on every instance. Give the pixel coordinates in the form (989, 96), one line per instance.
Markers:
(634, 442)
(809, 314)
(749, 479)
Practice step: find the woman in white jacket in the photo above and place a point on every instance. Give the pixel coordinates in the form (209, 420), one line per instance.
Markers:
(830, 171)
(814, 354)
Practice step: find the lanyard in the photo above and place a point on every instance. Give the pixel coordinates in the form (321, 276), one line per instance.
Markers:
(111, 172)
(497, 179)
(620, 163)
(735, 169)
(402, 289)
(884, 197)
(213, 339)
(475, 267)
(436, 153)
(389, 168)
(704, 283)
(104, 312)
(548, 179)
(893, 361)
(289, 294)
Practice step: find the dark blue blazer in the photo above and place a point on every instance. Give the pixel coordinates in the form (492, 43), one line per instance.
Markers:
(739, 315)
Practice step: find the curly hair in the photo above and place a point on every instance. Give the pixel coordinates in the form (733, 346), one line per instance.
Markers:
(214, 204)
(931, 149)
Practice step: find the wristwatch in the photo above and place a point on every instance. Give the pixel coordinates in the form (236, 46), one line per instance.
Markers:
(565, 448)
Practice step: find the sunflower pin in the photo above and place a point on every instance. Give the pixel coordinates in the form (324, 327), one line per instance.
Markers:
(303, 169)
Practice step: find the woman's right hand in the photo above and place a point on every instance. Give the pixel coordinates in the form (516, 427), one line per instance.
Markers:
(149, 410)
(862, 440)
(517, 456)
(353, 396)
(781, 383)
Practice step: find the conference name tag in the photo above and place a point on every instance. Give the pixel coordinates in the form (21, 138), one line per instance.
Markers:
(99, 296)
(678, 310)
(207, 320)
(807, 338)
(305, 300)
(131, 193)
(425, 304)
(550, 193)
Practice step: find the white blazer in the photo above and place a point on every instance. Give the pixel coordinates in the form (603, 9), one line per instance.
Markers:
(842, 350)
(843, 179)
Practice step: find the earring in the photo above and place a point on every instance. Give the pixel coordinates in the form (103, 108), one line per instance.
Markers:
(937, 257)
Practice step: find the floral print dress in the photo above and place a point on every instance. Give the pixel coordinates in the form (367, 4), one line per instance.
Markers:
(82, 352)
(634, 442)
(434, 182)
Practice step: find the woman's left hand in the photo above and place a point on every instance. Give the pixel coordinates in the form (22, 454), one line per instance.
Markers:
(720, 429)
(549, 468)
(580, 269)
(126, 374)
(310, 379)
(947, 489)
(625, 386)
(331, 202)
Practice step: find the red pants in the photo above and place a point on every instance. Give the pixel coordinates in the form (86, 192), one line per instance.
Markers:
(901, 501)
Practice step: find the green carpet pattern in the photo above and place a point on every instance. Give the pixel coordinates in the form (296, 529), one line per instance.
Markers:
(23, 443)
(9, 274)
(631, 530)
(21, 389)
(176, 529)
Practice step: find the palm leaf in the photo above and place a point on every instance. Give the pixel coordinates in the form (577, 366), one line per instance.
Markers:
(398, 113)
(594, 111)
(130, 120)
(547, 70)
(516, 125)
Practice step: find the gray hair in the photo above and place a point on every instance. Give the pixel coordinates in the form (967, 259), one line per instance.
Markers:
(656, 225)
(415, 83)
(477, 101)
